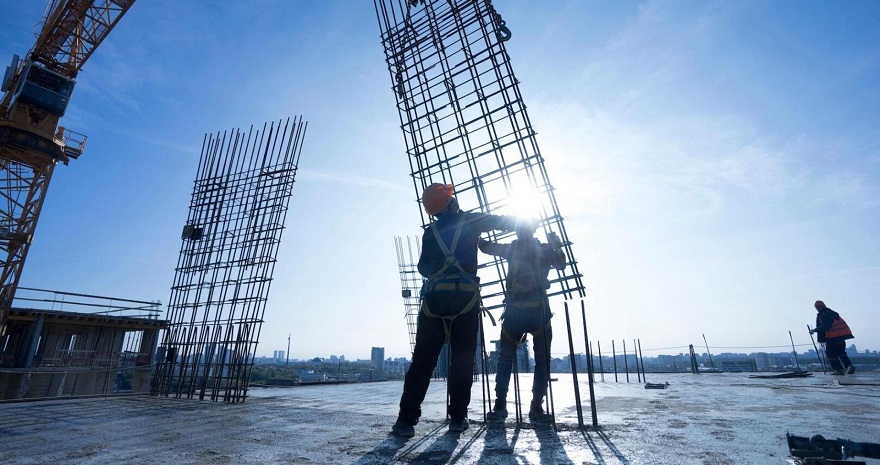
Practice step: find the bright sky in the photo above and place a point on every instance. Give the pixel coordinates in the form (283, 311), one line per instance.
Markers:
(717, 163)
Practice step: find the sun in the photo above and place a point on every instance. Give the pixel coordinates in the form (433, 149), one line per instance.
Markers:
(524, 204)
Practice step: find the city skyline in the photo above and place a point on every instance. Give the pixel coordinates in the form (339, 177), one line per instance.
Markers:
(851, 348)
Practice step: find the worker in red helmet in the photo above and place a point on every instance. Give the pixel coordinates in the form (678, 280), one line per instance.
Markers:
(437, 197)
(834, 332)
(459, 231)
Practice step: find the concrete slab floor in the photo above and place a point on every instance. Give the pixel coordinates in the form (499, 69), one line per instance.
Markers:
(700, 419)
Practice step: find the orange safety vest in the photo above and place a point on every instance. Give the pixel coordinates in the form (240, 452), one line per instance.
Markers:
(839, 328)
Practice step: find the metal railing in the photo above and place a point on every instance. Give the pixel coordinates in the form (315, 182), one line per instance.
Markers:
(46, 299)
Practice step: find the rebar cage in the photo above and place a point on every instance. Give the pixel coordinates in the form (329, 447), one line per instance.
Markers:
(465, 123)
(227, 257)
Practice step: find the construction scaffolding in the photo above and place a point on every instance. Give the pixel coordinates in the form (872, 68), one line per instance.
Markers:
(465, 123)
(227, 257)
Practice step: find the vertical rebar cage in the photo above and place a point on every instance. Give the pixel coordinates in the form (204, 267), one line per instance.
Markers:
(410, 282)
(230, 243)
(465, 123)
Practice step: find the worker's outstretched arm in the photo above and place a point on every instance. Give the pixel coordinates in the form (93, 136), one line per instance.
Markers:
(493, 248)
(484, 222)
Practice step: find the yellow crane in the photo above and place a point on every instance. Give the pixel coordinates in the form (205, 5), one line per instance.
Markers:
(37, 90)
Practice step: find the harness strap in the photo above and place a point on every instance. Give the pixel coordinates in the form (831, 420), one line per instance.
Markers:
(447, 330)
(522, 340)
(487, 312)
(449, 251)
(529, 306)
(451, 260)
(525, 251)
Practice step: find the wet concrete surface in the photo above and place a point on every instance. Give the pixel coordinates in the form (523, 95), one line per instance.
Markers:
(699, 419)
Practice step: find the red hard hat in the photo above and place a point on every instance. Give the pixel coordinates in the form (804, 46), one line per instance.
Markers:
(436, 197)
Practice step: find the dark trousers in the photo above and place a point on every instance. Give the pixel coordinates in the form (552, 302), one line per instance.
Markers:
(541, 343)
(522, 316)
(430, 337)
(836, 354)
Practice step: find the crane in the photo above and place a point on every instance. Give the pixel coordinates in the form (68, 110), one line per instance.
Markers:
(37, 90)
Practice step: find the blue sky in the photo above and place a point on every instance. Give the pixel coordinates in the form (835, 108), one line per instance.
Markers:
(718, 163)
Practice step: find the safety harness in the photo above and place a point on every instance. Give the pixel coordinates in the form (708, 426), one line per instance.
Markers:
(458, 282)
(533, 283)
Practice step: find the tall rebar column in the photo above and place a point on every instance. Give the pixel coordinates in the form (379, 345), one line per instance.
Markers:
(410, 283)
(227, 257)
(465, 123)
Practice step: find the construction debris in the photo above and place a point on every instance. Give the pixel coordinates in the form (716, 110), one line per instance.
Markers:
(816, 450)
(793, 374)
(656, 385)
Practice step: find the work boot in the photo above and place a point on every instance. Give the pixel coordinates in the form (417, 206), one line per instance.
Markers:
(403, 429)
(837, 372)
(499, 412)
(457, 426)
(536, 411)
(850, 370)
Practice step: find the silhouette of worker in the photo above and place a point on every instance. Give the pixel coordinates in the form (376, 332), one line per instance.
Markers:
(527, 311)
(833, 331)
(450, 306)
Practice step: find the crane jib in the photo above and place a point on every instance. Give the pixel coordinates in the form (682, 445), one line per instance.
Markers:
(37, 91)
(73, 29)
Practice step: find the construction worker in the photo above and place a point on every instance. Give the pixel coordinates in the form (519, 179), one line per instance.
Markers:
(833, 331)
(459, 232)
(527, 312)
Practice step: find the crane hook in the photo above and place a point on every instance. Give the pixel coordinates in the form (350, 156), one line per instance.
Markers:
(502, 32)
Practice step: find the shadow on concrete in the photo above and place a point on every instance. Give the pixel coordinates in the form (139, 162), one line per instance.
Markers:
(597, 453)
(501, 449)
(496, 448)
(385, 451)
(552, 450)
(441, 450)
(396, 448)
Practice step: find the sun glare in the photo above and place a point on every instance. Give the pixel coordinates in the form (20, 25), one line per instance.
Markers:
(524, 203)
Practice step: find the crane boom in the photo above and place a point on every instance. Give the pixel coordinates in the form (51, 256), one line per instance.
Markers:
(37, 91)
(72, 31)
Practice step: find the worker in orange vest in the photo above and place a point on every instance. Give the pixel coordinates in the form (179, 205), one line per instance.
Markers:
(833, 331)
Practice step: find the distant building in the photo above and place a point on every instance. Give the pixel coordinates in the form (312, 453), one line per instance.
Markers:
(580, 361)
(739, 365)
(442, 368)
(523, 364)
(278, 355)
(377, 361)
(665, 362)
(396, 368)
(762, 360)
(311, 376)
